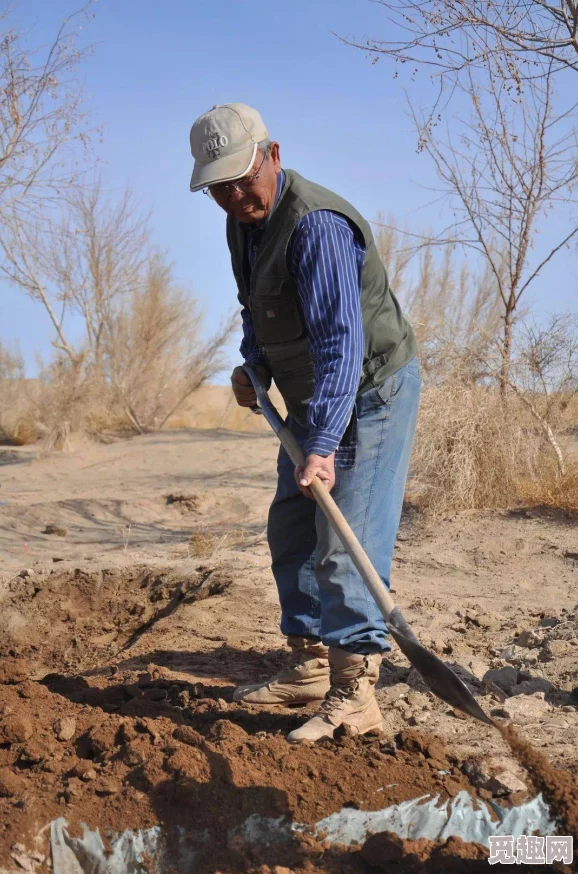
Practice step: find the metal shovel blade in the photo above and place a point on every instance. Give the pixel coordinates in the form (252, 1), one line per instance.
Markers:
(440, 678)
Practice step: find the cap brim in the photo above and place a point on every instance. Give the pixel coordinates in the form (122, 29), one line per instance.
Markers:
(225, 169)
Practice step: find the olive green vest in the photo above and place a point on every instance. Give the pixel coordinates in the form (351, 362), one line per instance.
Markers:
(270, 294)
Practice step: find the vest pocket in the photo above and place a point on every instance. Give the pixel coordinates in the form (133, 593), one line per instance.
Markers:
(276, 319)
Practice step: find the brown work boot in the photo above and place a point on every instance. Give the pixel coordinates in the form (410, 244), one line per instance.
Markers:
(350, 700)
(305, 681)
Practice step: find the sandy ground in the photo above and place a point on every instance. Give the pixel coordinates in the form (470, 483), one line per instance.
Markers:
(82, 533)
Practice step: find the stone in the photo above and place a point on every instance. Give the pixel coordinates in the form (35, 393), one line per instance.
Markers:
(476, 772)
(65, 728)
(529, 638)
(89, 775)
(11, 783)
(107, 787)
(477, 666)
(12, 671)
(15, 729)
(504, 678)
(512, 653)
(535, 684)
(27, 572)
(38, 751)
(488, 621)
(548, 622)
(555, 648)
(186, 734)
(505, 783)
(56, 530)
(527, 708)
(416, 681)
(389, 694)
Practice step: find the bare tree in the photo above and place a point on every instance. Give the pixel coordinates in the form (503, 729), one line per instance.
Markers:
(503, 172)
(455, 312)
(141, 352)
(520, 38)
(155, 357)
(41, 117)
(544, 373)
(81, 263)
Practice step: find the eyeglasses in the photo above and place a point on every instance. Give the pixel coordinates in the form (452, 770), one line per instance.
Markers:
(222, 189)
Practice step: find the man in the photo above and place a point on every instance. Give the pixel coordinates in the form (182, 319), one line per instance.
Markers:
(320, 319)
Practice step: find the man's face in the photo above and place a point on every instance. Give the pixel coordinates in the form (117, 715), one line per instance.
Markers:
(254, 200)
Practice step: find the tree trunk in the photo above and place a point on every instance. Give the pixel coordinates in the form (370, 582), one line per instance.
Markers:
(506, 352)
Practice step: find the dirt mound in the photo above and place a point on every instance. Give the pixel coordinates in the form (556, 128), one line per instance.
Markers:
(558, 787)
(70, 619)
(135, 748)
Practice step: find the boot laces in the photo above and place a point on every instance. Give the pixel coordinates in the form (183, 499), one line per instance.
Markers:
(338, 694)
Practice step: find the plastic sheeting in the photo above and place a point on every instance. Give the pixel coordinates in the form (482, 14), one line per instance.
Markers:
(419, 818)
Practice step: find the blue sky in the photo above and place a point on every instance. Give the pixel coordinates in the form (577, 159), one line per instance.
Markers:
(340, 119)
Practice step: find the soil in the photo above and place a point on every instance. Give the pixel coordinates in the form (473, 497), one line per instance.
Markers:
(558, 787)
(123, 639)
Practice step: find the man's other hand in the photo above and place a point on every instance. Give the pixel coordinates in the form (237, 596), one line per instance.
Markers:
(243, 388)
(318, 465)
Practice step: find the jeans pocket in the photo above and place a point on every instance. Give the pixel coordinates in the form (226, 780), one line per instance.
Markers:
(376, 398)
(388, 387)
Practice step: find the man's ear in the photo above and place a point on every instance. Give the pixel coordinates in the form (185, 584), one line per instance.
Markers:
(276, 156)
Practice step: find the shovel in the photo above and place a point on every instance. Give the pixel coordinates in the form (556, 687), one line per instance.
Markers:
(442, 681)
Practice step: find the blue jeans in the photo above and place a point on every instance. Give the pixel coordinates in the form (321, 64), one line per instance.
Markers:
(320, 592)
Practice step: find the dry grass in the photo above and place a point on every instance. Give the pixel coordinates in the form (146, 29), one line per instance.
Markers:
(551, 490)
(207, 542)
(471, 454)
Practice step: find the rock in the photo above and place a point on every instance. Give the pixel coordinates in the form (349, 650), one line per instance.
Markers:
(555, 648)
(23, 859)
(107, 787)
(82, 767)
(11, 783)
(504, 678)
(12, 671)
(89, 775)
(476, 772)
(511, 653)
(65, 728)
(536, 684)
(389, 694)
(36, 751)
(477, 666)
(487, 621)
(418, 719)
(15, 729)
(529, 638)
(27, 572)
(188, 735)
(415, 681)
(527, 708)
(548, 622)
(505, 783)
(57, 530)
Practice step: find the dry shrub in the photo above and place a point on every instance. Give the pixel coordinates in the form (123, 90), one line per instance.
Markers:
(202, 543)
(550, 489)
(469, 454)
(18, 424)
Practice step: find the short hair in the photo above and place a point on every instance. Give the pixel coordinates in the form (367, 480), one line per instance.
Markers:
(265, 146)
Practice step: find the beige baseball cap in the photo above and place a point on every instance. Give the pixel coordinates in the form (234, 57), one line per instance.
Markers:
(224, 143)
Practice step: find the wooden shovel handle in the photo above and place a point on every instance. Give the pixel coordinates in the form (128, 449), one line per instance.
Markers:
(341, 527)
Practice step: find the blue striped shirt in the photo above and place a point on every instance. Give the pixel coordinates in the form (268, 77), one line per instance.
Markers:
(326, 259)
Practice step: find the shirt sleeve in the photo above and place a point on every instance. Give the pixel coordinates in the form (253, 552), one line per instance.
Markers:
(327, 260)
(249, 348)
